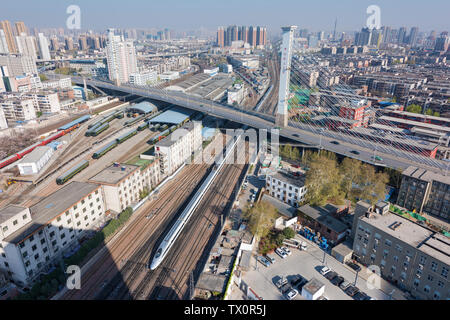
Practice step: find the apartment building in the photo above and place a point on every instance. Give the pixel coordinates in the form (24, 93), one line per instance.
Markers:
(34, 239)
(18, 64)
(425, 191)
(178, 147)
(18, 108)
(123, 183)
(45, 101)
(62, 83)
(411, 256)
(144, 78)
(286, 187)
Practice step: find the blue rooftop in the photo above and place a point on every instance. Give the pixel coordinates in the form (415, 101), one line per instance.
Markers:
(143, 107)
(175, 115)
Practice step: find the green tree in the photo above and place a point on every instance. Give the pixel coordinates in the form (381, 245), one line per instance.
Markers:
(429, 112)
(436, 114)
(414, 108)
(288, 233)
(43, 77)
(260, 218)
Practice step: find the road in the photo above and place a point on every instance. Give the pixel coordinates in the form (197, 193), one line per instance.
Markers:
(393, 158)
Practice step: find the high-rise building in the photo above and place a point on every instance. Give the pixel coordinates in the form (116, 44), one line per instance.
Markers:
(442, 43)
(313, 41)
(321, 35)
(121, 58)
(68, 43)
(54, 44)
(402, 35)
(167, 34)
(387, 34)
(3, 44)
(26, 45)
(364, 37)
(221, 37)
(21, 28)
(252, 36)
(82, 42)
(6, 27)
(376, 37)
(260, 36)
(43, 47)
(412, 39)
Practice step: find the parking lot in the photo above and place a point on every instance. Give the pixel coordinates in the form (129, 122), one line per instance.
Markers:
(307, 264)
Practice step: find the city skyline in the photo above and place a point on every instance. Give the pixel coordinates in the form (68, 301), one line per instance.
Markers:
(316, 16)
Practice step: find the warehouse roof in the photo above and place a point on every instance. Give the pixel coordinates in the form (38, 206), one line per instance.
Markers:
(51, 207)
(143, 107)
(175, 115)
(35, 155)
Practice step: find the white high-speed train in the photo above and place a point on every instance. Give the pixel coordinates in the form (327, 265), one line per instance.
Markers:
(178, 226)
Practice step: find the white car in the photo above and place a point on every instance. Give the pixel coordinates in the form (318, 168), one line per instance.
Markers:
(324, 270)
(281, 253)
(292, 294)
(285, 249)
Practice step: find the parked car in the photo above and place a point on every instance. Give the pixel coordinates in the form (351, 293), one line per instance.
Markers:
(264, 261)
(292, 294)
(344, 285)
(303, 246)
(285, 249)
(271, 258)
(354, 266)
(330, 275)
(337, 280)
(281, 253)
(351, 291)
(281, 282)
(324, 270)
(360, 296)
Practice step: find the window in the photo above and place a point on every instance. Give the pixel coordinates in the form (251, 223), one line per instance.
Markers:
(82, 201)
(24, 217)
(24, 254)
(45, 250)
(434, 266)
(426, 289)
(63, 236)
(77, 215)
(42, 241)
(36, 256)
(52, 234)
(440, 284)
(430, 277)
(436, 295)
(69, 221)
(15, 222)
(423, 259)
(444, 272)
(31, 238)
(60, 228)
(21, 245)
(388, 242)
(5, 229)
(67, 212)
(416, 282)
(34, 248)
(58, 219)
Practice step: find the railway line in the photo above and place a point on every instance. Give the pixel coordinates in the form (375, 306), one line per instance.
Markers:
(134, 242)
(272, 101)
(193, 245)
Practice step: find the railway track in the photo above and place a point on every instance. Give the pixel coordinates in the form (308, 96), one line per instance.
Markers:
(136, 233)
(198, 243)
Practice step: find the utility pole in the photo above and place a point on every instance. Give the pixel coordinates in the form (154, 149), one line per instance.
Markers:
(191, 285)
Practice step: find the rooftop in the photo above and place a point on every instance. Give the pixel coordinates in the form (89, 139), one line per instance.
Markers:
(175, 115)
(113, 175)
(283, 208)
(413, 234)
(36, 154)
(313, 286)
(144, 107)
(52, 206)
(426, 175)
(323, 216)
(170, 139)
(285, 177)
(9, 212)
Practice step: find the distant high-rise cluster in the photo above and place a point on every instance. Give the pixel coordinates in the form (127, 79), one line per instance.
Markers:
(255, 36)
(375, 37)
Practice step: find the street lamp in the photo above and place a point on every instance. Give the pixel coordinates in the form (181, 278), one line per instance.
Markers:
(356, 277)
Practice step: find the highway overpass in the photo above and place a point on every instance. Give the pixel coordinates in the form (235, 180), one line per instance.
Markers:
(333, 141)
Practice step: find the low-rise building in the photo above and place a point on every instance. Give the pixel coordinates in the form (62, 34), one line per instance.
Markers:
(425, 191)
(313, 289)
(408, 254)
(144, 78)
(286, 187)
(18, 108)
(123, 184)
(33, 162)
(36, 238)
(178, 147)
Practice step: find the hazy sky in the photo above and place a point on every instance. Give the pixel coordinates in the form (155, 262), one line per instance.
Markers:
(194, 14)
